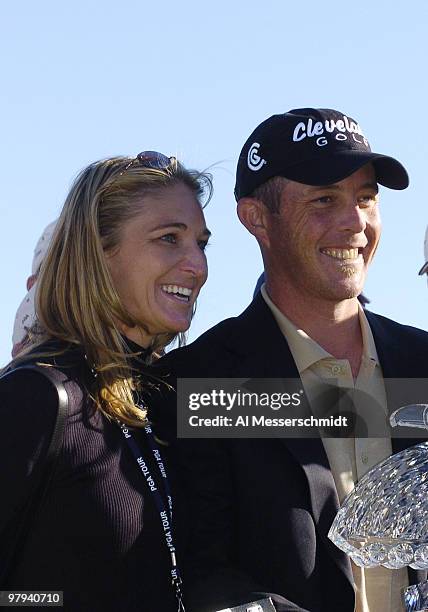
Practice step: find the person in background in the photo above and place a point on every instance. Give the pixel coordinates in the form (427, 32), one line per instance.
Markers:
(119, 281)
(261, 508)
(424, 269)
(25, 316)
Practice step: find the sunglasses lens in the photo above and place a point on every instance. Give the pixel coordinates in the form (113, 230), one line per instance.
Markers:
(153, 159)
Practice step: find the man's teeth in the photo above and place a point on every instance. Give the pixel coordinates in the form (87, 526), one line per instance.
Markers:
(341, 253)
(176, 289)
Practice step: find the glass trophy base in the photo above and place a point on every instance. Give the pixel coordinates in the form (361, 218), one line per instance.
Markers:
(261, 605)
(416, 597)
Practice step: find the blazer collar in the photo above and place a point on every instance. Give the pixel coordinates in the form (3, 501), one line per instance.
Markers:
(385, 346)
(394, 364)
(264, 352)
(257, 339)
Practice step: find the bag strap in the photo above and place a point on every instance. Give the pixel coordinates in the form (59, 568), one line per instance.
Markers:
(41, 478)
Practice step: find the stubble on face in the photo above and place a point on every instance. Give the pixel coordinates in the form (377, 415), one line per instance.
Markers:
(315, 225)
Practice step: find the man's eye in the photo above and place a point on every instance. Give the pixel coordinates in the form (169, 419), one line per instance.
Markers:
(323, 200)
(172, 238)
(368, 200)
(203, 244)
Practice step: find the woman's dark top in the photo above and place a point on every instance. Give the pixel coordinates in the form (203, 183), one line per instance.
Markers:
(98, 535)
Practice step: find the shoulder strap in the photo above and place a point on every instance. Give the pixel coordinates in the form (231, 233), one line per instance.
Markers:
(41, 478)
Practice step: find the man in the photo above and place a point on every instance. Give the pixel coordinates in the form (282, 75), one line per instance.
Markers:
(307, 189)
(424, 269)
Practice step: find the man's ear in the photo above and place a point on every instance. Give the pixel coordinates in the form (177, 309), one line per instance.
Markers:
(253, 215)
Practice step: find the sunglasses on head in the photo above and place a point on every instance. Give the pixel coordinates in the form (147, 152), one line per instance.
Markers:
(150, 159)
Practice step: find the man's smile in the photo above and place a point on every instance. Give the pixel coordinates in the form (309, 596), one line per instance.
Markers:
(342, 254)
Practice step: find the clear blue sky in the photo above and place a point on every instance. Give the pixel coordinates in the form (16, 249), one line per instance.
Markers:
(86, 80)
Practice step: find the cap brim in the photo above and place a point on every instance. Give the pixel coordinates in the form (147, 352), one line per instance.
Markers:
(424, 269)
(329, 169)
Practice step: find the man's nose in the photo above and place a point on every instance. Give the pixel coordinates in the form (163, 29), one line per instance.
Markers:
(354, 217)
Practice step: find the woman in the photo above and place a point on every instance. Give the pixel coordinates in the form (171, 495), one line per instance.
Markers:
(118, 283)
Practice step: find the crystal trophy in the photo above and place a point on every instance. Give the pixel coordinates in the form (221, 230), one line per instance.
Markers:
(261, 605)
(384, 520)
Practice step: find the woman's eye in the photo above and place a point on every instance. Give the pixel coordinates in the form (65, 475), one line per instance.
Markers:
(171, 238)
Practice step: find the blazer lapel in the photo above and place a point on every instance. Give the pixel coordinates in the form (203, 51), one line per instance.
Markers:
(265, 353)
(311, 455)
(394, 365)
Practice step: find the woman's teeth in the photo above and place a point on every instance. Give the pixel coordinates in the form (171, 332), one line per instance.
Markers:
(341, 253)
(182, 292)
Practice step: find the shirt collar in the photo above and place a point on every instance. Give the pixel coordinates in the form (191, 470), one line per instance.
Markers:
(306, 352)
(369, 346)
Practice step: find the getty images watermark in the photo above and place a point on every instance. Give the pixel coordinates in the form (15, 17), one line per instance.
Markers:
(260, 408)
(219, 398)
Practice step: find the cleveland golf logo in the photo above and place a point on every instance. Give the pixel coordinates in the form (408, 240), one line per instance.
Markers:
(254, 161)
(342, 129)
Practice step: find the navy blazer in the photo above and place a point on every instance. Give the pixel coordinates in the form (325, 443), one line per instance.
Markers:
(260, 509)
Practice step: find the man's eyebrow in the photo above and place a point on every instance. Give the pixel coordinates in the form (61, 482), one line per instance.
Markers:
(336, 187)
(371, 185)
(206, 232)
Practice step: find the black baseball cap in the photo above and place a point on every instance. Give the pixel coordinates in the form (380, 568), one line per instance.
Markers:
(311, 146)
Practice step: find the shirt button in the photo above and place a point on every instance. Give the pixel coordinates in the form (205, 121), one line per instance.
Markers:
(336, 369)
(364, 458)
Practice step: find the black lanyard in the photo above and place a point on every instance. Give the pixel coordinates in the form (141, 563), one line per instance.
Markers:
(164, 512)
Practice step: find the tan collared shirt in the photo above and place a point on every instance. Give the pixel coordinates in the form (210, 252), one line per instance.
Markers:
(377, 589)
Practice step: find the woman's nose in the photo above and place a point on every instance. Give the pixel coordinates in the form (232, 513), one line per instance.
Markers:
(195, 263)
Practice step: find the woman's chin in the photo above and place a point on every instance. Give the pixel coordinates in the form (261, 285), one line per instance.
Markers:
(173, 329)
(176, 324)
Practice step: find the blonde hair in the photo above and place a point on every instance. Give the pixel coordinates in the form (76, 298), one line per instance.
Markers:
(76, 301)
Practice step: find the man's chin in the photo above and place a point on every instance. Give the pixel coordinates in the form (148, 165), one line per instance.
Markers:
(349, 294)
(342, 291)
(349, 286)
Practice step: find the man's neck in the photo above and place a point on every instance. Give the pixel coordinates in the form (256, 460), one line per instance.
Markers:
(333, 325)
